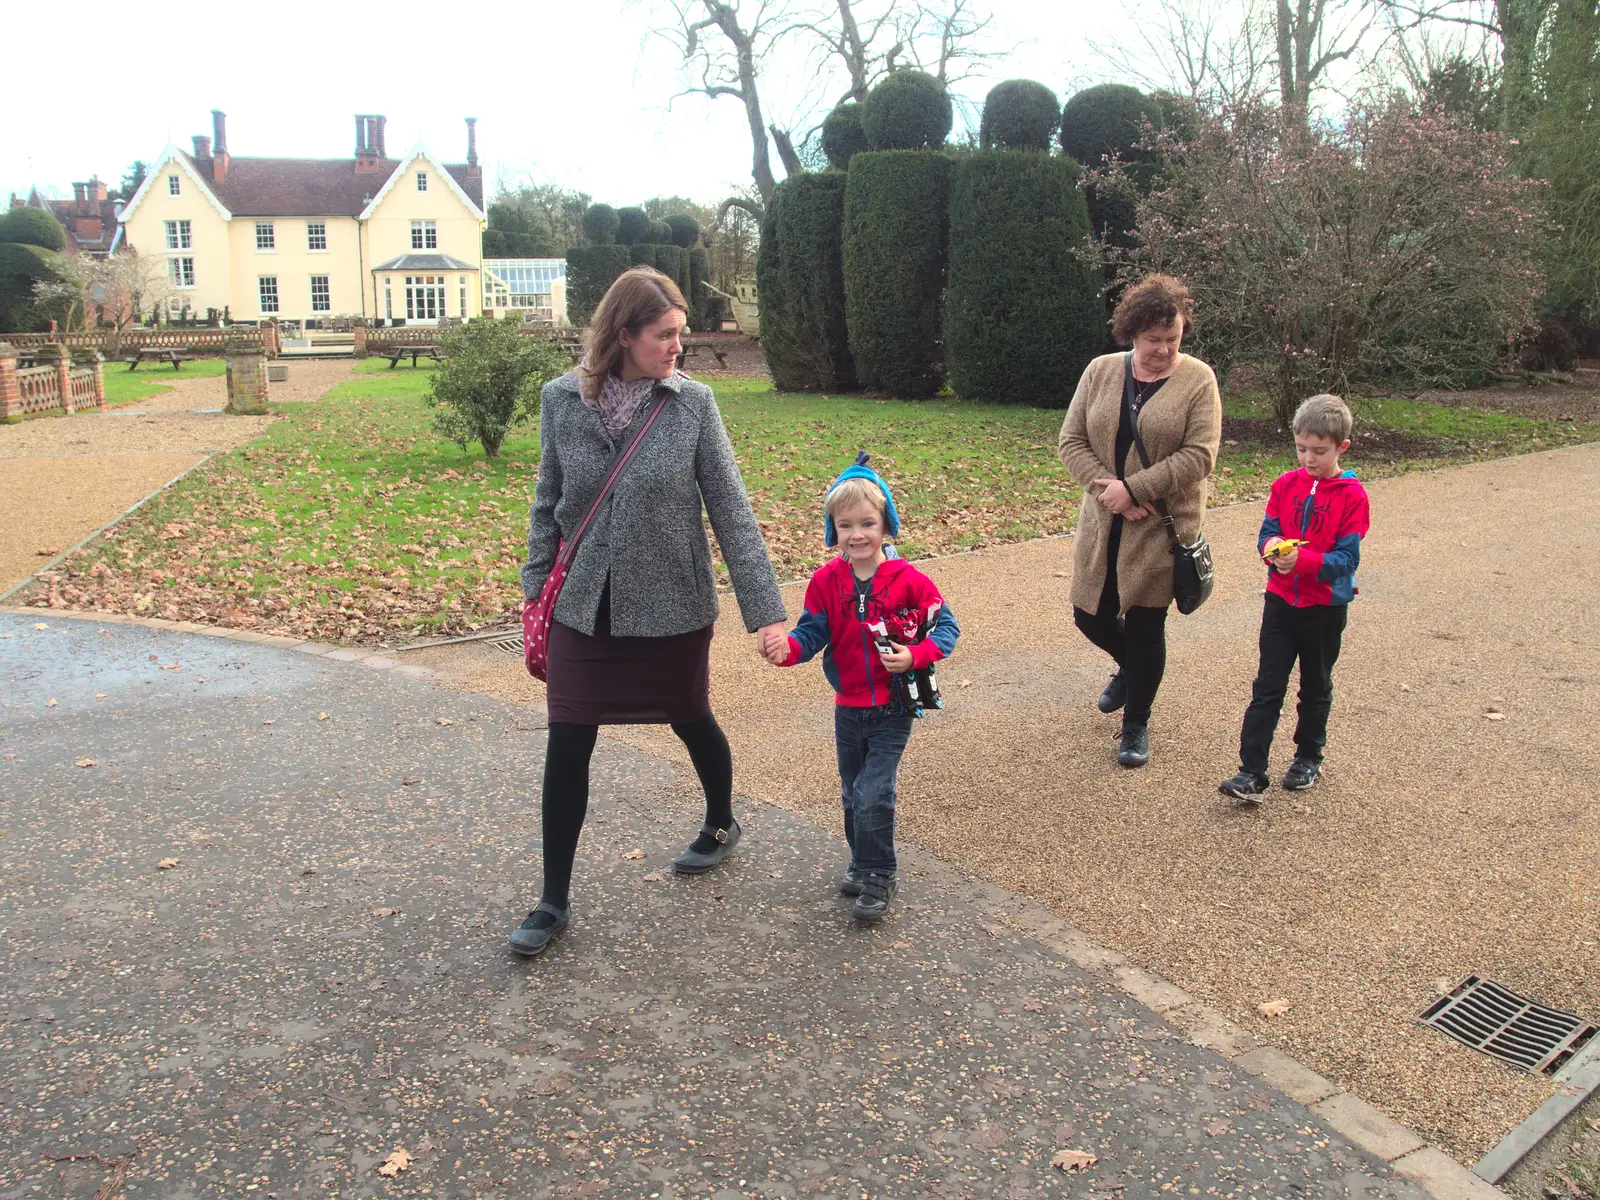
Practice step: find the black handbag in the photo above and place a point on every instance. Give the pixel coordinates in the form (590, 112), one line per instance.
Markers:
(1193, 572)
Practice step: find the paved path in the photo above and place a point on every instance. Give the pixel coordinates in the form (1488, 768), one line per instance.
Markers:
(320, 979)
(1441, 842)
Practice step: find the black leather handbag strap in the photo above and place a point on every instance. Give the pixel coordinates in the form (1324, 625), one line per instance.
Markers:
(1129, 389)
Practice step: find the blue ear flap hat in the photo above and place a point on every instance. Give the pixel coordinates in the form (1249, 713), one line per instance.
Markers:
(860, 470)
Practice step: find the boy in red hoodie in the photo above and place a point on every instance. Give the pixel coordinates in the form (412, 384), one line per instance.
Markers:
(864, 611)
(1311, 543)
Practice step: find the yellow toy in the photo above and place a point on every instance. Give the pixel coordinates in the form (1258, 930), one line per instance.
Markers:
(1284, 548)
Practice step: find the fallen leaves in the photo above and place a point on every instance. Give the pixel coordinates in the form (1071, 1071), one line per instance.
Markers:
(40, 625)
(50, 703)
(395, 1163)
(386, 912)
(1073, 1160)
(411, 781)
(652, 878)
(86, 762)
(167, 864)
(1274, 1008)
(46, 551)
(170, 666)
(634, 854)
(322, 716)
(443, 721)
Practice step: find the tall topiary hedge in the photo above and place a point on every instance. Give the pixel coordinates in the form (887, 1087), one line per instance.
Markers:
(1019, 114)
(699, 276)
(908, 110)
(644, 254)
(896, 233)
(29, 226)
(633, 226)
(842, 138)
(685, 230)
(1023, 316)
(590, 271)
(660, 233)
(22, 265)
(800, 277)
(673, 261)
(1105, 120)
(600, 224)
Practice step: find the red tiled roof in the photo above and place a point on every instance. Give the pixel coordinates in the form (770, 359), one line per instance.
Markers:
(309, 187)
(66, 211)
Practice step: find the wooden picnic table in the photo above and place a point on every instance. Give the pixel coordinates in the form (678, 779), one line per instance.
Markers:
(164, 354)
(693, 349)
(395, 353)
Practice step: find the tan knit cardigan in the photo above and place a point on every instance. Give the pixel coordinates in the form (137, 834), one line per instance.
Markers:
(1182, 427)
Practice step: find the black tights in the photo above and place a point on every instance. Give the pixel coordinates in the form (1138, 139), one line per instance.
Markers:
(566, 790)
(1138, 642)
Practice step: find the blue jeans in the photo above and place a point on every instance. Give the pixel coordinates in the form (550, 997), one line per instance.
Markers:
(870, 742)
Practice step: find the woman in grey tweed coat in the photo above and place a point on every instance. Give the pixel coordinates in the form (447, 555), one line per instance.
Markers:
(630, 642)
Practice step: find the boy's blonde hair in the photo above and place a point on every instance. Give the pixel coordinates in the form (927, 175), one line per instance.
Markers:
(852, 492)
(1325, 416)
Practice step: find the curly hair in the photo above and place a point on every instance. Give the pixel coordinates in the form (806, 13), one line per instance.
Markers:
(1154, 302)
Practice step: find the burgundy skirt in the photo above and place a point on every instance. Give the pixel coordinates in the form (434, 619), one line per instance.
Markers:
(607, 680)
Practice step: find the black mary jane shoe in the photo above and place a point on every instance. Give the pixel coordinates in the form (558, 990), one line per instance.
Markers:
(706, 851)
(1133, 750)
(539, 929)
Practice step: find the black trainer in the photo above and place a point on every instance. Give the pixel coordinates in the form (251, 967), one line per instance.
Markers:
(1302, 773)
(876, 892)
(539, 929)
(1115, 695)
(706, 851)
(1133, 750)
(1245, 787)
(850, 881)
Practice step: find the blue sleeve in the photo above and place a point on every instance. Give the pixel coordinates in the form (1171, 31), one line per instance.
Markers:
(1341, 562)
(1270, 528)
(811, 634)
(945, 631)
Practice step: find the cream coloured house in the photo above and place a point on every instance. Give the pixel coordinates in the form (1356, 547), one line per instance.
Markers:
(395, 240)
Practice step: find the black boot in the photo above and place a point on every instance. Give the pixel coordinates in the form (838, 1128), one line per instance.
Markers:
(1115, 695)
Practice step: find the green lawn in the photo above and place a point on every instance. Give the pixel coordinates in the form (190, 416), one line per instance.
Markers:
(350, 520)
(151, 379)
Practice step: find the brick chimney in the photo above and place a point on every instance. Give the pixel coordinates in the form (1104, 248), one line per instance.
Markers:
(80, 201)
(381, 122)
(220, 156)
(202, 148)
(367, 155)
(97, 191)
(474, 171)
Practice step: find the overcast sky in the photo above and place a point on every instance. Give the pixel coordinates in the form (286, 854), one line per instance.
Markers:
(572, 93)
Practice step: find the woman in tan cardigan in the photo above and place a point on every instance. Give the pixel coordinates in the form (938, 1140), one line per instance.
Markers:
(1122, 559)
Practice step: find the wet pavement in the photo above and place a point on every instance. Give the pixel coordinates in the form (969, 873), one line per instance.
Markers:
(253, 907)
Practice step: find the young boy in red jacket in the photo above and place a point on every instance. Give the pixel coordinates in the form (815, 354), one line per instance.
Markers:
(864, 611)
(1311, 543)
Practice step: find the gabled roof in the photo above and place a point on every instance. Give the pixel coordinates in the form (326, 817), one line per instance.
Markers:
(425, 262)
(450, 178)
(158, 175)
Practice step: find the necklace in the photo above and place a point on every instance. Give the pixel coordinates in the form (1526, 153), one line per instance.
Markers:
(1143, 390)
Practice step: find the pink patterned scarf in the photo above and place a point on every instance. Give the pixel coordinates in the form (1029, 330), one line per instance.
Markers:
(618, 402)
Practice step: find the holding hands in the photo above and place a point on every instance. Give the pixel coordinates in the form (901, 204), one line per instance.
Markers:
(772, 643)
(1114, 496)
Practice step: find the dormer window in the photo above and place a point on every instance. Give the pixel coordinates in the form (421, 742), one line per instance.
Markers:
(174, 188)
(422, 181)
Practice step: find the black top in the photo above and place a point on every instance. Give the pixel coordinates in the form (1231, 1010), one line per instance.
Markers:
(1142, 393)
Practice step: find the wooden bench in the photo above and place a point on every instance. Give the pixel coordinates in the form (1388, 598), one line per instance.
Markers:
(395, 353)
(159, 354)
(693, 349)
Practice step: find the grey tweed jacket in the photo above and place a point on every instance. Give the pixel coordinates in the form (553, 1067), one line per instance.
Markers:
(648, 539)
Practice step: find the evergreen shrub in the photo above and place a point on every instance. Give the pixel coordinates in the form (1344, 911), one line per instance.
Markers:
(21, 266)
(800, 277)
(896, 234)
(633, 226)
(1023, 316)
(600, 224)
(685, 230)
(699, 275)
(1105, 120)
(842, 137)
(660, 233)
(1019, 114)
(908, 110)
(29, 226)
(590, 271)
(673, 262)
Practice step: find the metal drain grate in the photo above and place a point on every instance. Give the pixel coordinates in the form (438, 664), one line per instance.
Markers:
(1497, 1021)
(510, 645)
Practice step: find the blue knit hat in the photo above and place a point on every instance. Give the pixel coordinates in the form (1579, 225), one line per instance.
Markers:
(860, 470)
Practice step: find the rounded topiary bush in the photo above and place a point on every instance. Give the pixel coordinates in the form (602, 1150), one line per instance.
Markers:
(633, 225)
(908, 110)
(842, 136)
(660, 233)
(29, 226)
(1107, 119)
(1019, 114)
(684, 230)
(590, 271)
(1180, 115)
(1023, 316)
(896, 233)
(600, 224)
(22, 265)
(800, 278)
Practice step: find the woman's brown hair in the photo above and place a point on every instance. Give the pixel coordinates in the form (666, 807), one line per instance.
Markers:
(640, 296)
(1156, 301)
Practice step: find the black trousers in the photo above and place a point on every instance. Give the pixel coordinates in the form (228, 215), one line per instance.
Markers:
(1137, 641)
(1313, 637)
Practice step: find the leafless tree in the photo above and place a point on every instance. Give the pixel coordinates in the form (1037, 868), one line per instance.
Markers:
(1515, 24)
(114, 291)
(1313, 35)
(1189, 46)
